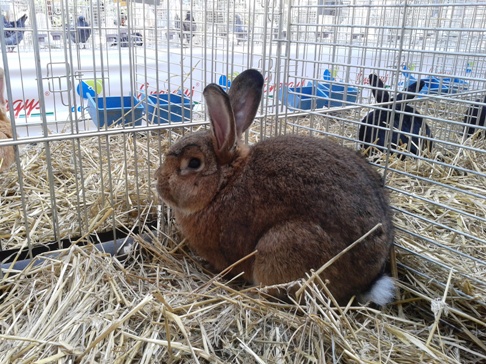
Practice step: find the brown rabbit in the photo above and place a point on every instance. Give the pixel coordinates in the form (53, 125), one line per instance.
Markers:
(7, 153)
(298, 201)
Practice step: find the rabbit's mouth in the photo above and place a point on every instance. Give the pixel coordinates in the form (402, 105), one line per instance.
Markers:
(164, 192)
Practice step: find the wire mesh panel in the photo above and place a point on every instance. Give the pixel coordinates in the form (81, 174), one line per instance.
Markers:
(98, 90)
(82, 77)
(421, 123)
(398, 42)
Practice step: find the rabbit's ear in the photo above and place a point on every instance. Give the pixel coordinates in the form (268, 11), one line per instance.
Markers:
(245, 94)
(378, 89)
(222, 121)
(414, 87)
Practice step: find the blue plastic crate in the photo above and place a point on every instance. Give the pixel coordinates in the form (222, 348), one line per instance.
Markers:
(302, 98)
(164, 108)
(436, 85)
(335, 90)
(337, 93)
(118, 109)
(224, 82)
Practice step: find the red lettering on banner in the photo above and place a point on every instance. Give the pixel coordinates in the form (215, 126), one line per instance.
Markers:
(190, 92)
(275, 87)
(27, 106)
(360, 79)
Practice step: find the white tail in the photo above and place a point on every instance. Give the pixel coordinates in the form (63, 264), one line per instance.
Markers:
(382, 291)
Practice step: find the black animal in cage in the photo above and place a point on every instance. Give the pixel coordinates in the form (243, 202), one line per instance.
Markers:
(475, 116)
(13, 32)
(82, 31)
(409, 128)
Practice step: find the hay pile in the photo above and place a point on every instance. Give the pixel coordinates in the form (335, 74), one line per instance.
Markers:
(97, 183)
(160, 304)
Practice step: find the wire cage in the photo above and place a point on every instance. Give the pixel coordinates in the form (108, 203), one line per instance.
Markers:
(96, 92)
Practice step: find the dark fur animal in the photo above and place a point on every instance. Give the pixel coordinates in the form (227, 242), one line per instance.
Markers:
(406, 128)
(475, 116)
(297, 200)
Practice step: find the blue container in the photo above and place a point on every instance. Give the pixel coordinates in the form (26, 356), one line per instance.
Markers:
(435, 85)
(224, 82)
(164, 108)
(119, 110)
(337, 93)
(303, 98)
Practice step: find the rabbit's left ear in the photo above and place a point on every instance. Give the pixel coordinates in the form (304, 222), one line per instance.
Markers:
(222, 122)
(245, 95)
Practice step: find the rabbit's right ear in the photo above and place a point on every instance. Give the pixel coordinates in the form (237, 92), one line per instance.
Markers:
(245, 95)
(378, 89)
(222, 122)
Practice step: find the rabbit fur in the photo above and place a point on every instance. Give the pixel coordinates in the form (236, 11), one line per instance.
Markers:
(7, 153)
(374, 125)
(475, 116)
(298, 201)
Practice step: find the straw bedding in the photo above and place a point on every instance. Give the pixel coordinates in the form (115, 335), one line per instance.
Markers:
(97, 183)
(159, 303)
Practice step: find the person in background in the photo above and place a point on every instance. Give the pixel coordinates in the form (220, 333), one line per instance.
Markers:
(81, 32)
(239, 29)
(189, 26)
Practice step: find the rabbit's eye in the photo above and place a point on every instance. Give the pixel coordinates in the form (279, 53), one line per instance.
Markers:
(194, 163)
